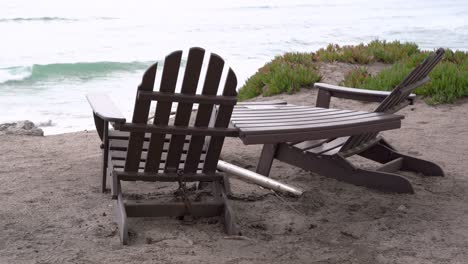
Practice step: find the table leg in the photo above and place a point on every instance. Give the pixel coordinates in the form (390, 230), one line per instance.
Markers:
(266, 159)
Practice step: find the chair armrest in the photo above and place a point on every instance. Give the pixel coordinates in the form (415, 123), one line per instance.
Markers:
(327, 90)
(104, 108)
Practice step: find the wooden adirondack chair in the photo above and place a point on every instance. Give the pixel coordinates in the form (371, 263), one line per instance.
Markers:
(328, 157)
(170, 151)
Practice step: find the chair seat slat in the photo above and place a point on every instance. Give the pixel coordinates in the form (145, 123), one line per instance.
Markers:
(325, 120)
(320, 126)
(305, 117)
(284, 111)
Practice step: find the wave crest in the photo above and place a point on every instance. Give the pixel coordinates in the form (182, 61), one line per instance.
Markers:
(80, 70)
(26, 19)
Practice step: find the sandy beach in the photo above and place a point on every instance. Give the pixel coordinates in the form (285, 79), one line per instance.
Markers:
(52, 210)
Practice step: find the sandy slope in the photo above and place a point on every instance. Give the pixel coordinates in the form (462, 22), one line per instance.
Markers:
(52, 211)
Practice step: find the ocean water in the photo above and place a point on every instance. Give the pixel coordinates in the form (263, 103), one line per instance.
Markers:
(53, 52)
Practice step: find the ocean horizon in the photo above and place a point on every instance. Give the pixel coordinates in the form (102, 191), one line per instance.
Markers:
(55, 52)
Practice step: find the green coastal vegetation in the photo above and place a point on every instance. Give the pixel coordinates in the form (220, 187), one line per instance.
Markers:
(290, 72)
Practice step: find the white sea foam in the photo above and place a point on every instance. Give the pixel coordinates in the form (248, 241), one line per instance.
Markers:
(15, 74)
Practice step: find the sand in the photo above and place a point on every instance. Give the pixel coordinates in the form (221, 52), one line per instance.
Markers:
(53, 212)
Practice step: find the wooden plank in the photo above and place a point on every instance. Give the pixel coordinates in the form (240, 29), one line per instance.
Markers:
(105, 156)
(266, 159)
(261, 137)
(303, 116)
(356, 140)
(292, 122)
(168, 177)
(280, 111)
(104, 108)
(141, 165)
(124, 135)
(323, 98)
(353, 93)
(378, 119)
(305, 145)
(154, 209)
(121, 219)
(121, 155)
(325, 147)
(184, 110)
(121, 145)
(222, 121)
(266, 108)
(182, 98)
(392, 166)
(99, 123)
(210, 87)
(163, 110)
(272, 102)
(140, 116)
(230, 224)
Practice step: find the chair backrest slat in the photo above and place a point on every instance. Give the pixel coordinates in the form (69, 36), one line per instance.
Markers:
(223, 118)
(210, 87)
(140, 116)
(398, 96)
(163, 110)
(184, 110)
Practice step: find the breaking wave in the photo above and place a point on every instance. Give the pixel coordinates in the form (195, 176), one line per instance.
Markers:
(44, 19)
(80, 70)
(51, 19)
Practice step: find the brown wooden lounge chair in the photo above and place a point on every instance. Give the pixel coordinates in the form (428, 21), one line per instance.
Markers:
(328, 157)
(170, 151)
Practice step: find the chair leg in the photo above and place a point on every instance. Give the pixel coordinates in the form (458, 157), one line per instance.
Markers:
(116, 186)
(121, 219)
(105, 155)
(266, 159)
(383, 152)
(230, 225)
(339, 168)
(227, 185)
(104, 171)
